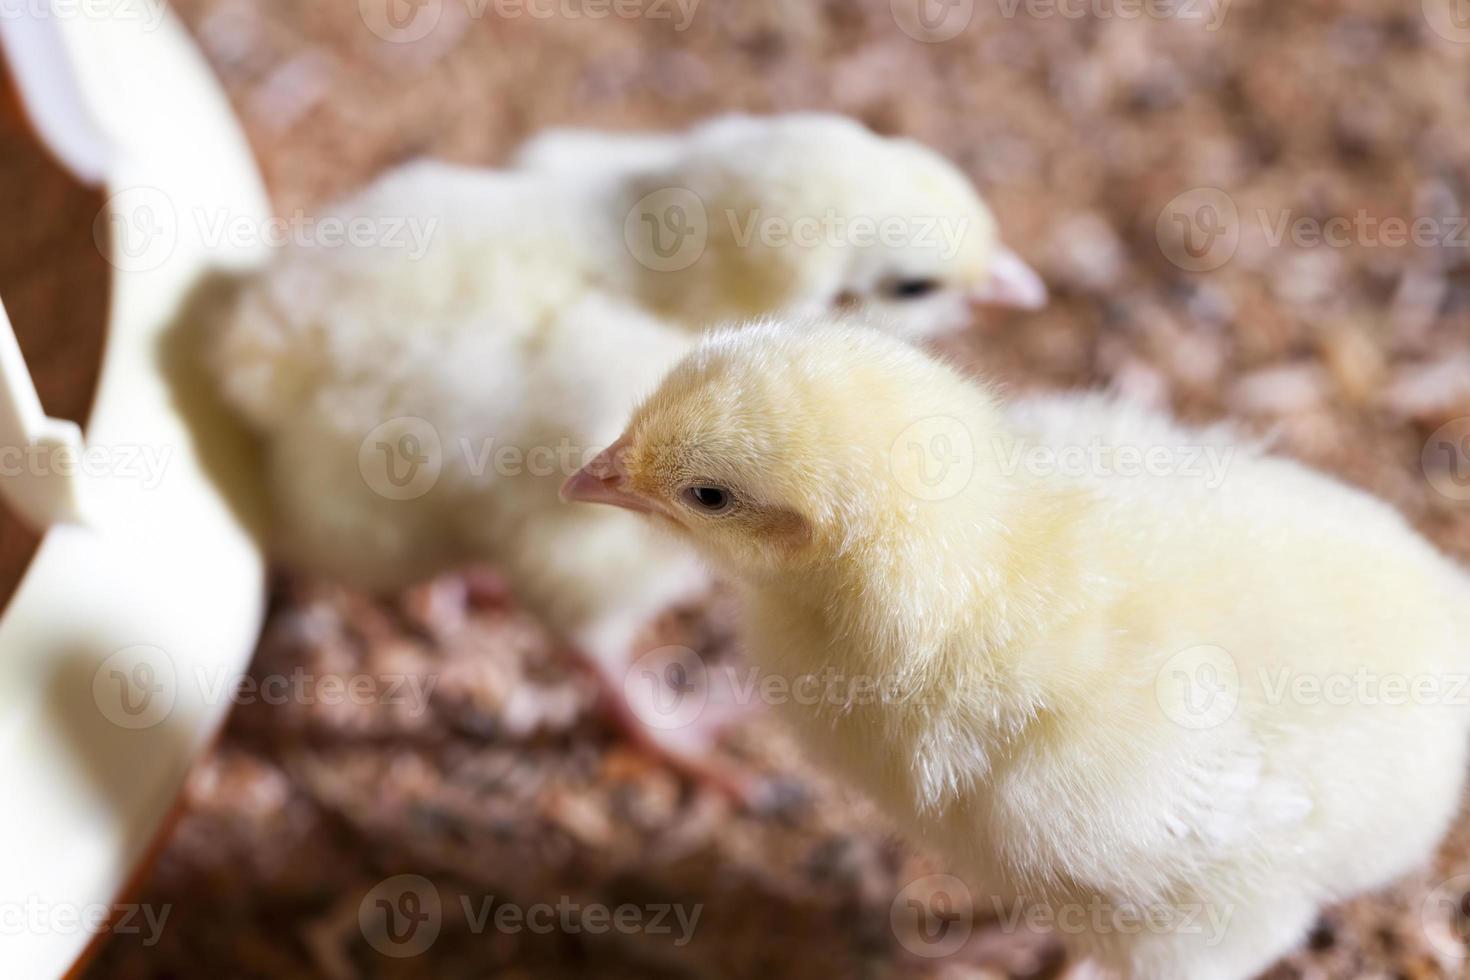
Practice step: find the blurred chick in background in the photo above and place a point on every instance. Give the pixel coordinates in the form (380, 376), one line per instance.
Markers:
(1091, 681)
(419, 411)
(799, 214)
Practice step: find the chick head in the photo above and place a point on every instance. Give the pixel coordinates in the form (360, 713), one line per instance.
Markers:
(774, 447)
(804, 214)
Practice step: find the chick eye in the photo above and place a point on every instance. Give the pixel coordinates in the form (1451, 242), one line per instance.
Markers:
(711, 500)
(913, 288)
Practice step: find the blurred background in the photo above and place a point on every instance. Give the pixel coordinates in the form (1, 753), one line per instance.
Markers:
(1244, 209)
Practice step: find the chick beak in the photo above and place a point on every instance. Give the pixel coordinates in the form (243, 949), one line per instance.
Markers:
(1012, 283)
(604, 480)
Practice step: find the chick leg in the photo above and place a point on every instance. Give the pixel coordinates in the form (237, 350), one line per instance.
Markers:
(599, 578)
(687, 750)
(442, 604)
(669, 705)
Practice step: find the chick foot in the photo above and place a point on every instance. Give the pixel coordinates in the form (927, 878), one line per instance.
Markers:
(442, 605)
(676, 715)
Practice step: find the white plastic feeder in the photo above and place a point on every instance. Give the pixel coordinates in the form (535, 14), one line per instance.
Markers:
(119, 649)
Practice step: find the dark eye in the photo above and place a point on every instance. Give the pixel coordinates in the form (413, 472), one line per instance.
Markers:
(913, 288)
(711, 500)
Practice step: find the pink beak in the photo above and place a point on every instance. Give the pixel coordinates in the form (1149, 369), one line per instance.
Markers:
(604, 480)
(1012, 283)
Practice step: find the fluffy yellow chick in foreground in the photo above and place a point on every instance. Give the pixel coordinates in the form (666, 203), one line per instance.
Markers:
(1097, 660)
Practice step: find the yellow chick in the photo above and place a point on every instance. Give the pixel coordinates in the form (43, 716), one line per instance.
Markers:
(1173, 706)
(426, 378)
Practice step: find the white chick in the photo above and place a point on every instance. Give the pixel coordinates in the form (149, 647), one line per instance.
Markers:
(800, 213)
(422, 397)
(1096, 683)
(807, 213)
